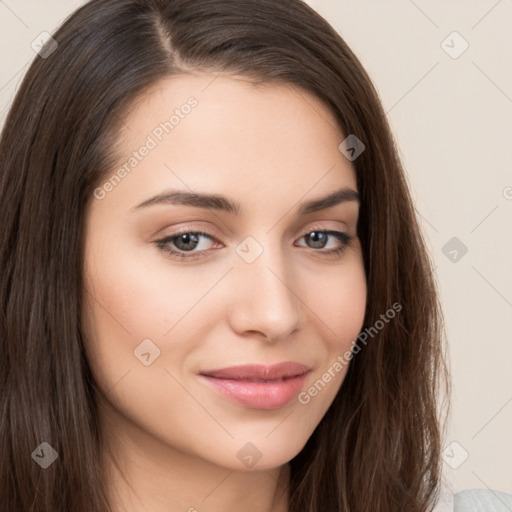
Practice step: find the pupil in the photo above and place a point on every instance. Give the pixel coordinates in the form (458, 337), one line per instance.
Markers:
(187, 238)
(317, 238)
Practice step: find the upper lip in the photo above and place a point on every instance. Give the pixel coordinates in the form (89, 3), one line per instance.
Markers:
(259, 371)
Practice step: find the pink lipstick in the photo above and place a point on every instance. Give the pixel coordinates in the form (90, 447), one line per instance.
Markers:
(259, 386)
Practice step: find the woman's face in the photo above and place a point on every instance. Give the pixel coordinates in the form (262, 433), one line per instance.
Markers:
(263, 287)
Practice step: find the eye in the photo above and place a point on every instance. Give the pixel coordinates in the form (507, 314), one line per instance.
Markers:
(320, 238)
(187, 242)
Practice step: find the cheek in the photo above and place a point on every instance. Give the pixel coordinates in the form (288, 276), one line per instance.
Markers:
(140, 291)
(339, 303)
(338, 311)
(351, 306)
(133, 295)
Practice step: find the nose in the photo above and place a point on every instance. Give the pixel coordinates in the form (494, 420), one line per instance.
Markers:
(263, 300)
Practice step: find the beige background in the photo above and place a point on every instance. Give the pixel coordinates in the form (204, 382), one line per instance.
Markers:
(452, 120)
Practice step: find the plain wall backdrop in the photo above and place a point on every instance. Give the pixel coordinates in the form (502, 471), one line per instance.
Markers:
(442, 69)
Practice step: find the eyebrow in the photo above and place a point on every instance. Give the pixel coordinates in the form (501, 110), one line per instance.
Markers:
(221, 203)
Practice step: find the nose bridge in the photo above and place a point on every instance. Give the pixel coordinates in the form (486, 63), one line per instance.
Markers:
(264, 300)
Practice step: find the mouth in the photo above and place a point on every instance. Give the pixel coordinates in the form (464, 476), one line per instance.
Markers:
(258, 386)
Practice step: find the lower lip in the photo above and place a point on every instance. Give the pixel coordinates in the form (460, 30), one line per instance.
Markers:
(259, 395)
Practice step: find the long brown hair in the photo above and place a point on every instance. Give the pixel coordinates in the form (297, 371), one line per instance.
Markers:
(378, 446)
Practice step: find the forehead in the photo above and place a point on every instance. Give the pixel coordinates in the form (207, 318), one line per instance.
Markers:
(223, 133)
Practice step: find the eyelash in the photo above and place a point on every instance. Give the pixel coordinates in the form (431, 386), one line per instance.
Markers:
(163, 244)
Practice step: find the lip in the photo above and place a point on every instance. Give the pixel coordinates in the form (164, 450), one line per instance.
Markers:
(258, 386)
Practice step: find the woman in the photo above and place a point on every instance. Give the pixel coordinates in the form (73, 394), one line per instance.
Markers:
(215, 292)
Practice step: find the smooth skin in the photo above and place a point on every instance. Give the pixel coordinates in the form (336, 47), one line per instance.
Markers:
(269, 148)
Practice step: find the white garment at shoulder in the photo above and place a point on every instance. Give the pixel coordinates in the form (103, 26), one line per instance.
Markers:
(473, 500)
(482, 500)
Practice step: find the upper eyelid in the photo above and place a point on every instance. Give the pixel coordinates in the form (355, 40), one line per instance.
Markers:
(210, 232)
(212, 236)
